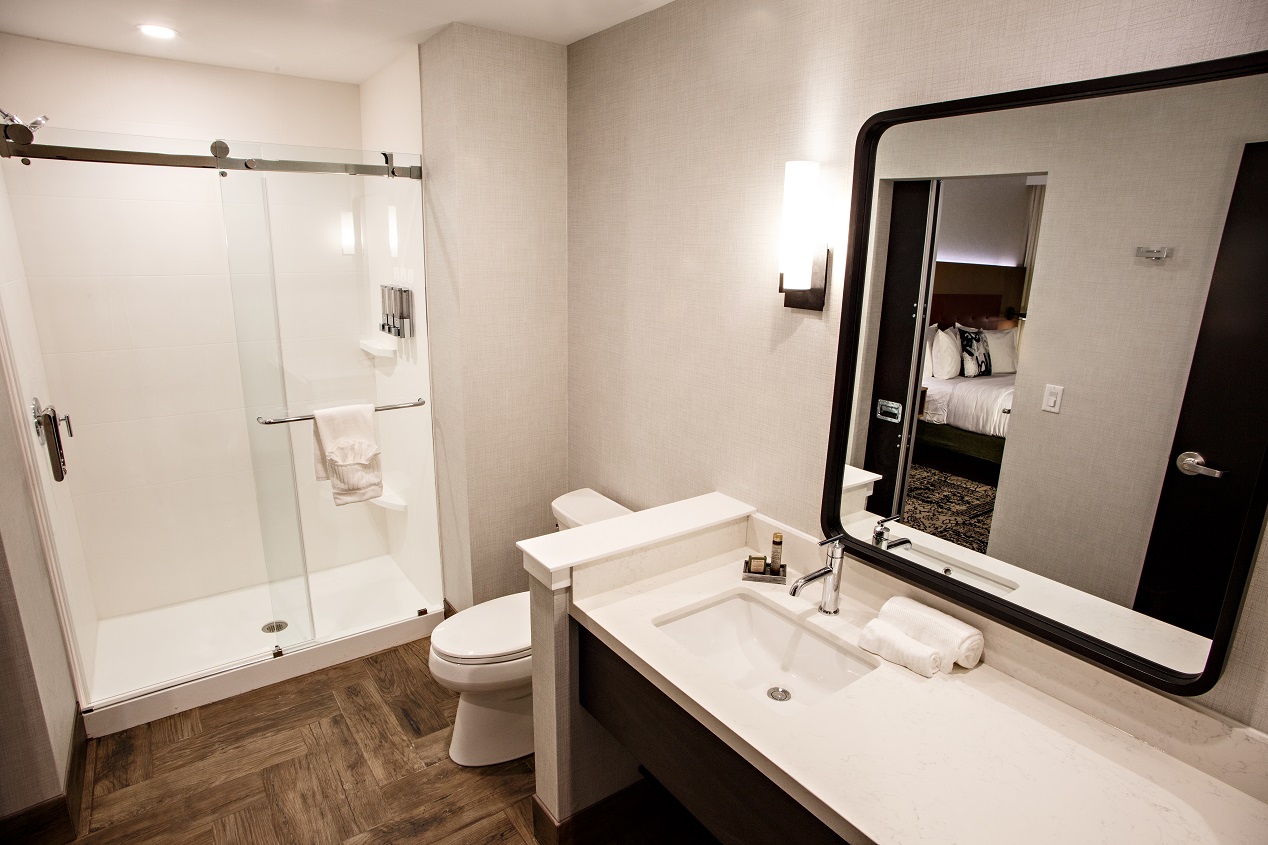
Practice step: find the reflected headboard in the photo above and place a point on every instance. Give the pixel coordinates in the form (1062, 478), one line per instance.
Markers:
(979, 310)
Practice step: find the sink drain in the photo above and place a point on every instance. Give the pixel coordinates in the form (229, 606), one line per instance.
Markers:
(274, 626)
(778, 694)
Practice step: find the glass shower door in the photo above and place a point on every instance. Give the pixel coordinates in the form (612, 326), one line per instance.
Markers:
(175, 530)
(317, 250)
(245, 199)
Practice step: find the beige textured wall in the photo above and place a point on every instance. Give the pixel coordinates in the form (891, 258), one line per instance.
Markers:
(494, 136)
(686, 374)
(30, 774)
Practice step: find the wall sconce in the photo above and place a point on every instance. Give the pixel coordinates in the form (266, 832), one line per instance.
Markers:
(393, 241)
(348, 233)
(804, 258)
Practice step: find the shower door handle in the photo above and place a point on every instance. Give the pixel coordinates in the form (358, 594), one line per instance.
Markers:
(48, 425)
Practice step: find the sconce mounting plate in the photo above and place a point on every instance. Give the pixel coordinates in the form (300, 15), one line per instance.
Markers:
(813, 299)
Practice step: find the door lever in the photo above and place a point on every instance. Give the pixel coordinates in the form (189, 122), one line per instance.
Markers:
(1191, 463)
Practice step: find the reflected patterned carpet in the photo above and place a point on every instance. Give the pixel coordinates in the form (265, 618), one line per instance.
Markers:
(948, 506)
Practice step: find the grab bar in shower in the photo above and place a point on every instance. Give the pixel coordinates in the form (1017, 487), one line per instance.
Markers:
(415, 404)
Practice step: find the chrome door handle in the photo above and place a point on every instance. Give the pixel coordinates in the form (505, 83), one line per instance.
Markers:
(1191, 463)
(49, 431)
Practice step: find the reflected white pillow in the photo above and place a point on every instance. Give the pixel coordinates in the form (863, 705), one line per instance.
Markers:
(1002, 345)
(946, 353)
(927, 369)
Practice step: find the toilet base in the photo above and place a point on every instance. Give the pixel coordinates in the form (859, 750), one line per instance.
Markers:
(493, 727)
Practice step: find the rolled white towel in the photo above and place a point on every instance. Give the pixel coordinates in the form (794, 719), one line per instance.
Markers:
(880, 637)
(958, 641)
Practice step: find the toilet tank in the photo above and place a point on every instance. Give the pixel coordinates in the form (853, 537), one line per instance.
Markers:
(584, 506)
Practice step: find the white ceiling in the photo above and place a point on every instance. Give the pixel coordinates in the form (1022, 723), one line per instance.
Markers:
(340, 40)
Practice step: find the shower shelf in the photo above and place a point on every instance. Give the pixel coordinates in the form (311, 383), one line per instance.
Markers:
(390, 500)
(378, 349)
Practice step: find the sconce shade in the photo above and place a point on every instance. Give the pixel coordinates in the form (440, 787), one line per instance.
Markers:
(800, 238)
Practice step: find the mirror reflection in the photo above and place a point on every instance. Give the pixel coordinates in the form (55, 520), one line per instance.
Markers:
(1046, 334)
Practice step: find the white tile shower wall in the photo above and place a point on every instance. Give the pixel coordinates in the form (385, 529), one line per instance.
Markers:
(686, 373)
(37, 743)
(391, 119)
(321, 315)
(494, 148)
(152, 384)
(405, 436)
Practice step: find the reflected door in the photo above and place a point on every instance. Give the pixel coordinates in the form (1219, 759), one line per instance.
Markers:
(1192, 551)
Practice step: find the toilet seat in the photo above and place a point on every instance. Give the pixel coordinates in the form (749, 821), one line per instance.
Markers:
(494, 631)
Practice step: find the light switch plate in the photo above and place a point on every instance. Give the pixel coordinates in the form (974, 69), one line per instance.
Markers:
(1052, 398)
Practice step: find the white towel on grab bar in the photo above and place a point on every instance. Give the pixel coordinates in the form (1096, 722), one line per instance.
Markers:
(345, 451)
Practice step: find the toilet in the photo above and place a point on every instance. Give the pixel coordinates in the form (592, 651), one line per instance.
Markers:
(484, 653)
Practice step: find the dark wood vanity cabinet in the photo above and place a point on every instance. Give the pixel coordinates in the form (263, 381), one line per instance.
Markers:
(727, 794)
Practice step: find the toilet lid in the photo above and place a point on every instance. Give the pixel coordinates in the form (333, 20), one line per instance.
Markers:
(490, 632)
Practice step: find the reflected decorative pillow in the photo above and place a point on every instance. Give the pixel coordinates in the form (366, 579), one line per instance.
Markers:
(946, 354)
(928, 365)
(1002, 346)
(975, 357)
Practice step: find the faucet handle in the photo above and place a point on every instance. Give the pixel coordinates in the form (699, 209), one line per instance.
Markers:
(838, 538)
(881, 532)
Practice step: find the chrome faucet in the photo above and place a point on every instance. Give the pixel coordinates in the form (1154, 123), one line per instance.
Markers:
(832, 589)
(880, 535)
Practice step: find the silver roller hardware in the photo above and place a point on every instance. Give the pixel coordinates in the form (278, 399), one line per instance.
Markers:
(1191, 463)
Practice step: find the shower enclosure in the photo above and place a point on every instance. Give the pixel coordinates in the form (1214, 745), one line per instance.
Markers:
(178, 319)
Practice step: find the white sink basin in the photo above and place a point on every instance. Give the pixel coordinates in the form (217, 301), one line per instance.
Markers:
(759, 647)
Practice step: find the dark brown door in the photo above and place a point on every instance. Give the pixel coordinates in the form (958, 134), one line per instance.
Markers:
(1206, 528)
(890, 424)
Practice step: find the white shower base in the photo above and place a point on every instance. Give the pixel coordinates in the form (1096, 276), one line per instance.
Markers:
(146, 651)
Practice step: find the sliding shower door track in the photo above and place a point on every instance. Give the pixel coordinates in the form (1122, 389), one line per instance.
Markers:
(219, 160)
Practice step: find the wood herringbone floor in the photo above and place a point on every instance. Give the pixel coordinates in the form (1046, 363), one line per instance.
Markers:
(351, 755)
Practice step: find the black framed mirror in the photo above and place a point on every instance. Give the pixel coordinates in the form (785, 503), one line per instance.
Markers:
(1051, 365)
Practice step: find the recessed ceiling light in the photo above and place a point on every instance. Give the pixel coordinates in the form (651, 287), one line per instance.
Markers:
(155, 31)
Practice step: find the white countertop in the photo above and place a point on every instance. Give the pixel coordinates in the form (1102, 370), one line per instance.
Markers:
(974, 757)
(551, 557)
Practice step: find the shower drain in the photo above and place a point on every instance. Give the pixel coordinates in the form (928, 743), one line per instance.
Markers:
(274, 626)
(778, 694)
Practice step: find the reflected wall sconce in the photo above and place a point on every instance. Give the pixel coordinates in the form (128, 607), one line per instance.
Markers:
(804, 258)
(348, 233)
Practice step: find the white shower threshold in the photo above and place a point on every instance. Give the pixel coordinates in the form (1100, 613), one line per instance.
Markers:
(162, 661)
